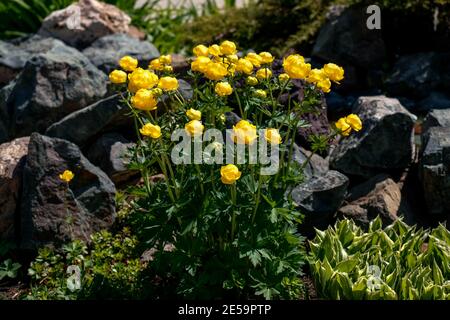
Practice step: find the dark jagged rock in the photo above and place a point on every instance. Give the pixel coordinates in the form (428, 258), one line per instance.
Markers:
(436, 100)
(436, 118)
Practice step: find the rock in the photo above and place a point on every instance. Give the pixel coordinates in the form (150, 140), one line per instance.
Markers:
(436, 100)
(110, 153)
(315, 167)
(180, 64)
(53, 211)
(12, 160)
(378, 196)
(51, 85)
(85, 21)
(106, 52)
(384, 144)
(319, 198)
(418, 74)
(435, 170)
(346, 40)
(436, 118)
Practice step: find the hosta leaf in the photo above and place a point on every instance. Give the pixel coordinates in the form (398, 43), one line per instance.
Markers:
(346, 266)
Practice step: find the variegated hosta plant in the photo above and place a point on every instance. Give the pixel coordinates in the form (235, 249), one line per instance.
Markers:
(398, 262)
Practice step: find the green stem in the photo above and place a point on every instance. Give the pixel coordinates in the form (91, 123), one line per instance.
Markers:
(258, 198)
(233, 218)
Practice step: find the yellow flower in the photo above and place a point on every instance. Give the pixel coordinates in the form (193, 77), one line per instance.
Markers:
(263, 73)
(200, 64)
(141, 79)
(229, 174)
(343, 127)
(165, 59)
(251, 81)
(194, 128)
(194, 114)
(223, 89)
(214, 50)
(128, 63)
(295, 66)
(118, 76)
(168, 83)
(244, 66)
(232, 58)
(168, 68)
(283, 77)
(334, 72)
(244, 132)
(316, 75)
(151, 130)
(324, 85)
(66, 176)
(266, 57)
(354, 121)
(156, 92)
(228, 47)
(200, 51)
(144, 100)
(254, 58)
(260, 93)
(215, 71)
(272, 135)
(156, 64)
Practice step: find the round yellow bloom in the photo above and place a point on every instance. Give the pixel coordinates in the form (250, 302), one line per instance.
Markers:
(194, 114)
(200, 51)
(168, 68)
(118, 76)
(244, 66)
(228, 47)
(272, 135)
(324, 85)
(293, 59)
(200, 64)
(229, 174)
(254, 58)
(260, 93)
(316, 75)
(295, 66)
(223, 89)
(343, 127)
(194, 128)
(66, 176)
(263, 73)
(334, 72)
(354, 121)
(232, 58)
(156, 64)
(166, 59)
(128, 63)
(151, 130)
(214, 50)
(244, 132)
(144, 100)
(168, 83)
(215, 71)
(156, 92)
(266, 57)
(251, 81)
(141, 79)
(283, 77)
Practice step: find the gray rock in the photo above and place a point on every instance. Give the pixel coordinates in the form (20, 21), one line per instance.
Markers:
(106, 52)
(436, 100)
(51, 85)
(54, 211)
(384, 144)
(315, 165)
(435, 170)
(111, 153)
(436, 118)
(12, 160)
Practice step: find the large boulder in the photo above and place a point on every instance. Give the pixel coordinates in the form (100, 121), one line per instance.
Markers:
(51, 85)
(436, 118)
(435, 170)
(313, 164)
(54, 211)
(436, 100)
(85, 21)
(12, 160)
(384, 144)
(106, 52)
(379, 196)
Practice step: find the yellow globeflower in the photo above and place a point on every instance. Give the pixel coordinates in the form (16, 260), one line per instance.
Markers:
(228, 47)
(283, 77)
(260, 93)
(324, 85)
(244, 132)
(128, 63)
(316, 75)
(272, 135)
(194, 128)
(166, 59)
(263, 73)
(232, 58)
(144, 100)
(223, 89)
(214, 50)
(168, 83)
(200, 51)
(215, 71)
(118, 76)
(334, 72)
(168, 68)
(251, 81)
(244, 66)
(343, 127)
(151, 130)
(66, 176)
(200, 64)
(229, 174)
(156, 64)
(194, 114)
(354, 121)
(156, 92)
(295, 66)
(266, 57)
(254, 58)
(141, 79)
